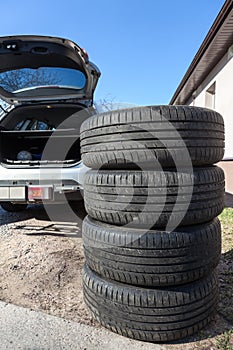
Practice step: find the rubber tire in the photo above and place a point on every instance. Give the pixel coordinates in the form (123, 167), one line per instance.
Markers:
(135, 137)
(153, 258)
(156, 315)
(136, 198)
(13, 208)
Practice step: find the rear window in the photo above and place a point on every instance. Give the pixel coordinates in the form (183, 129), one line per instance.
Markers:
(33, 124)
(27, 78)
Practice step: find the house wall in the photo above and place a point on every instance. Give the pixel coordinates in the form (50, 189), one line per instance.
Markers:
(227, 166)
(222, 77)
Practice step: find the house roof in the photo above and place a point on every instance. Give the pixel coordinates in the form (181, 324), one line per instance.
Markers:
(213, 48)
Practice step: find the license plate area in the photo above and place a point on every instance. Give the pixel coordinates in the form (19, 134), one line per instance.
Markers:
(9, 193)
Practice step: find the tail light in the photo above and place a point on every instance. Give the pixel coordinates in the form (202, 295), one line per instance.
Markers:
(39, 192)
(85, 55)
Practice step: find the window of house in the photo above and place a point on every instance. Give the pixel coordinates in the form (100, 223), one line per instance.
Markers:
(210, 96)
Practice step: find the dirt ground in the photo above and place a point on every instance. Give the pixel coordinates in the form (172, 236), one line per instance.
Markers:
(41, 267)
(41, 264)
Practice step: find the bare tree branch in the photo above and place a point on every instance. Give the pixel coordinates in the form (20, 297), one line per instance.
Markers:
(21, 78)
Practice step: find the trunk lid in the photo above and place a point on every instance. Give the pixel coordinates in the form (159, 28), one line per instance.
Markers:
(40, 68)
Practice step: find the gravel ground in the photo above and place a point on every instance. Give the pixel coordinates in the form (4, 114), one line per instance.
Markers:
(41, 266)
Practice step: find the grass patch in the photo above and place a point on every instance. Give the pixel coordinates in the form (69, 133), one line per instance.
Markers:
(226, 216)
(226, 266)
(226, 219)
(225, 341)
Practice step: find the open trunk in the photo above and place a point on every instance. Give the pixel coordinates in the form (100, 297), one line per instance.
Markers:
(42, 135)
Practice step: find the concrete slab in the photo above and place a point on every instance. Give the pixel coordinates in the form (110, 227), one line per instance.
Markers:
(24, 329)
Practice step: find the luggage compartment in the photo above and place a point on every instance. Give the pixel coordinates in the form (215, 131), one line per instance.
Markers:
(36, 135)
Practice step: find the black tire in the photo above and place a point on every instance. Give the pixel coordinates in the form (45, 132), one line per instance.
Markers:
(156, 315)
(13, 208)
(136, 198)
(151, 258)
(137, 136)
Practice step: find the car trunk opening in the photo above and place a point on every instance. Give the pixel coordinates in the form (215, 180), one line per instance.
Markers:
(42, 135)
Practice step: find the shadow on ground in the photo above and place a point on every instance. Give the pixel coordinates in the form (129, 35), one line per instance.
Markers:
(226, 286)
(228, 200)
(57, 219)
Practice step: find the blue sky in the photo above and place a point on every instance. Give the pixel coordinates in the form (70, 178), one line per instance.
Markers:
(143, 48)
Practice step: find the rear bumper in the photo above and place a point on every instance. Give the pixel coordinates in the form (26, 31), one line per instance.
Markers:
(15, 184)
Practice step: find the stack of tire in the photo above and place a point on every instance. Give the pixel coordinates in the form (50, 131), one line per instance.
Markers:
(152, 239)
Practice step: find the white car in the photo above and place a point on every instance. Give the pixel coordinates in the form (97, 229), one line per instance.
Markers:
(46, 88)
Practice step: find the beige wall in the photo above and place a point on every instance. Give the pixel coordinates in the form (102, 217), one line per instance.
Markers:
(227, 166)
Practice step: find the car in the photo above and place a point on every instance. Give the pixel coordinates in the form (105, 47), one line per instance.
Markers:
(46, 90)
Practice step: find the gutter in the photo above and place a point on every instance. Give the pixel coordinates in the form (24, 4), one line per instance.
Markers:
(224, 12)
